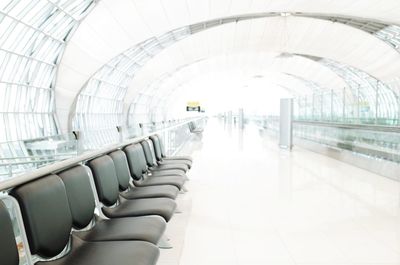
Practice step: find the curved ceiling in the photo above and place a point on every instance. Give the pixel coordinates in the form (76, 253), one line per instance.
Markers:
(299, 27)
(288, 72)
(230, 88)
(115, 26)
(294, 35)
(54, 52)
(227, 75)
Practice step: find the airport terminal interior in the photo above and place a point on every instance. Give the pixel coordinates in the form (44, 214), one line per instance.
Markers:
(199, 132)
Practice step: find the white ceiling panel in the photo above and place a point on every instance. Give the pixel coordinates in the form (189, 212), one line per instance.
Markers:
(177, 12)
(90, 42)
(239, 7)
(219, 8)
(153, 13)
(107, 28)
(198, 10)
(257, 5)
(128, 18)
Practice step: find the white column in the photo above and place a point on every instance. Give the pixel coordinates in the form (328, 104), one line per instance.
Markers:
(229, 117)
(286, 120)
(241, 118)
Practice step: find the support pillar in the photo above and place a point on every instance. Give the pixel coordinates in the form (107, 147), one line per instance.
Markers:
(286, 123)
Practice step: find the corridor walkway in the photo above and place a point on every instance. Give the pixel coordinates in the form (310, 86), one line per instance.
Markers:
(252, 203)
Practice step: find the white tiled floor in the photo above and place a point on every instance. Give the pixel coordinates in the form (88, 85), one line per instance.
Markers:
(251, 203)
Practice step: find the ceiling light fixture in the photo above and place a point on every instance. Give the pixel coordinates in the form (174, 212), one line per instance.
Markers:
(286, 14)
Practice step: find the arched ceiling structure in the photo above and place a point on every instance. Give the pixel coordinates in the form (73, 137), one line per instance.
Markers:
(282, 34)
(295, 35)
(230, 88)
(289, 72)
(92, 58)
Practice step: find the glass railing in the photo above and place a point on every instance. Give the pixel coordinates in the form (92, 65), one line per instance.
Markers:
(174, 139)
(19, 157)
(92, 140)
(374, 141)
(361, 120)
(381, 143)
(145, 128)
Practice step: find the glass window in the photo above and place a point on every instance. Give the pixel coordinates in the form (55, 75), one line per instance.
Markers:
(106, 89)
(32, 39)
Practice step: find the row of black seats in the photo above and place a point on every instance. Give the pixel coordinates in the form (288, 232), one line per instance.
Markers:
(133, 189)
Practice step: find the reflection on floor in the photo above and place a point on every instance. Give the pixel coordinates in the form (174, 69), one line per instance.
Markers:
(251, 203)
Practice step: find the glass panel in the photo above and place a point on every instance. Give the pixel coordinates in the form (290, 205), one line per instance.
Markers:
(18, 157)
(109, 85)
(365, 100)
(32, 39)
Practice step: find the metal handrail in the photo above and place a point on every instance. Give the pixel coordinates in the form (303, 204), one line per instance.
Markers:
(42, 138)
(64, 164)
(37, 156)
(27, 162)
(166, 122)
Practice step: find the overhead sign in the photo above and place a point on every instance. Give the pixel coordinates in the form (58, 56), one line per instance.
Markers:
(193, 106)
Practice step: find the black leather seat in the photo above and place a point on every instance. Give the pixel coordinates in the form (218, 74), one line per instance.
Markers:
(131, 192)
(48, 223)
(194, 129)
(108, 253)
(82, 206)
(8, 246)
(161, 156)
(138, 168)
(154, 166)
(107, 187)
(171, 172)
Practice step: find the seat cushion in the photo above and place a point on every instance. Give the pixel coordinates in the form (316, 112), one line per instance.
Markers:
(188, 158)
(176, 181)
(108, 253)
(171, 172)
(181, 167)
(187, 163)
(144, 228)
(163, 207)
(162, 191)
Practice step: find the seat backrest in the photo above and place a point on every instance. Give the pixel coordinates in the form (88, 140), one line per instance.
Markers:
(47, 217)
(8, 246)
(153, 155)
(105, 178)
(136, 160)
(148, 153)
(80, 195)
(122, 169)
(157, 147)
(162, 148)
